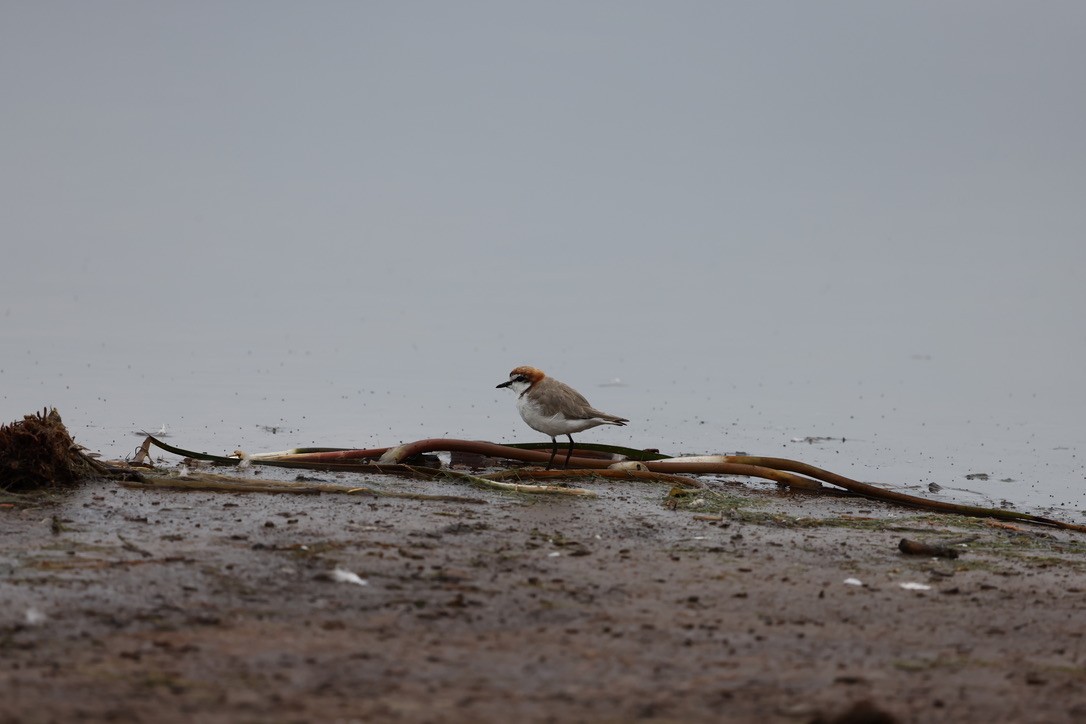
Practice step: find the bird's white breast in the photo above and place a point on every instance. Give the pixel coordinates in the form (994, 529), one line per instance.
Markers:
(551, 422)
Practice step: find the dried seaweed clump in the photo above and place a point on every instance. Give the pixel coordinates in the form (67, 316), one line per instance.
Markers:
(37, 452)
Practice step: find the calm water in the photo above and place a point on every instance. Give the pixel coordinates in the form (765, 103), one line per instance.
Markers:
(708, 369)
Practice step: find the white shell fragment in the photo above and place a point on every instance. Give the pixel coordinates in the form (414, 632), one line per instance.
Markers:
(342, 575)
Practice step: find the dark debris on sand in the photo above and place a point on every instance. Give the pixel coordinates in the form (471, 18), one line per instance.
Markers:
(38, 453)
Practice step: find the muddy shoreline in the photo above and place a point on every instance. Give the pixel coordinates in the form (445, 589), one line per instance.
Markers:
(731, 604)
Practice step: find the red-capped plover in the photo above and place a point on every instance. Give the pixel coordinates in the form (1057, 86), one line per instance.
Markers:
(554, 408)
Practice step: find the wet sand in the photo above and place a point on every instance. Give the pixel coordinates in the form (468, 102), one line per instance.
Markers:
(145, 605)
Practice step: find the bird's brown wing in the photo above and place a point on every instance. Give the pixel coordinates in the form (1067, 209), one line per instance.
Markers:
(562, 396)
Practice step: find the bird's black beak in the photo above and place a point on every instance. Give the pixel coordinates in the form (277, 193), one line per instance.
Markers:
(504, 384)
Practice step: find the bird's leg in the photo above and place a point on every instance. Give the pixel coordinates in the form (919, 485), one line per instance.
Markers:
(554, 450)
(570, 453)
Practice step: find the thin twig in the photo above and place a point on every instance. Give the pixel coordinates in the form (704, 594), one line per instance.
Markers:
(511, 487)
(128, 546)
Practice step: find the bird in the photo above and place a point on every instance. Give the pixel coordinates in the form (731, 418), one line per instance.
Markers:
(554, 408)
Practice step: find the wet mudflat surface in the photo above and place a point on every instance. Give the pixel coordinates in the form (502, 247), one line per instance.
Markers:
(147, 605)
